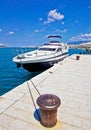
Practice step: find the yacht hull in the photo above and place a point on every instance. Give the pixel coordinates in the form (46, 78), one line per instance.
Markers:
(41, 66)
(33, 67)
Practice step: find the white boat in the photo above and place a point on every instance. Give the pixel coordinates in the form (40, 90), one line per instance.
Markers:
(88, 49)
(43, 57)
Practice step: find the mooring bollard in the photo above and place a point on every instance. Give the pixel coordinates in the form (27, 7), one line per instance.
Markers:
(48, 104)
(77, 57)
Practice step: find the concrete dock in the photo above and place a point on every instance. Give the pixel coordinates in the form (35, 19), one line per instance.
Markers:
(70, 80)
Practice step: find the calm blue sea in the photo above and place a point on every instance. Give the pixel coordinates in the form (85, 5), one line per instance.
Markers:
(10, 75)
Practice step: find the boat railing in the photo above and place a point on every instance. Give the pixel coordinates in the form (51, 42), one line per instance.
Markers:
(35, 54)
(46, 54)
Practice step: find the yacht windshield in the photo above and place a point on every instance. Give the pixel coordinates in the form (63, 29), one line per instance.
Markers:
(47, 49)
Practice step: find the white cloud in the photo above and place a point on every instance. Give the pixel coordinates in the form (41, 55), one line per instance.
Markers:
(36, 30)
(63, 31)
(53, 15)
(40, 19)
(0, 30)
(10, 33)
(62, 23)
(81, 37)
(76, 21)
(89, 7)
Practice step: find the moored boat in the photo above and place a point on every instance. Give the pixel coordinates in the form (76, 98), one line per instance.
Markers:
(88, 49)
(44, 57)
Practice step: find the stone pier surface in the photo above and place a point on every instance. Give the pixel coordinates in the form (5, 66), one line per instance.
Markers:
(70, 80)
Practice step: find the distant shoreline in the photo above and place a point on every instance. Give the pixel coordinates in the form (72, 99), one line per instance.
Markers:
(19, 47)
(82, 45)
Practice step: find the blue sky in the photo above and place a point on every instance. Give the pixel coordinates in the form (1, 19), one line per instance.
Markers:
(29, 22)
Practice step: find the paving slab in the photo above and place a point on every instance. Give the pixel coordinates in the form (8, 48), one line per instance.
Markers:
(70, 80)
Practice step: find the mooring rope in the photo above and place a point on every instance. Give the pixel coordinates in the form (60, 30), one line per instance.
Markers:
(35, 87)
(33, 100)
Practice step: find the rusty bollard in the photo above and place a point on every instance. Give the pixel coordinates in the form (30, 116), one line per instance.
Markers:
(77, 57)
(48, 104)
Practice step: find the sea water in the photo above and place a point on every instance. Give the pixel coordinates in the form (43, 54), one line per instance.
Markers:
(10, 75)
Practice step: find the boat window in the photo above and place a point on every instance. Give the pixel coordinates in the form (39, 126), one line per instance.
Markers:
(47, 49)
(59, 49)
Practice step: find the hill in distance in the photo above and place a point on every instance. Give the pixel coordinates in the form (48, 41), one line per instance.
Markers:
(2, 45)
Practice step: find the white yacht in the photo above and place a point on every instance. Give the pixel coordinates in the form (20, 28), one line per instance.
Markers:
(44, 57)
